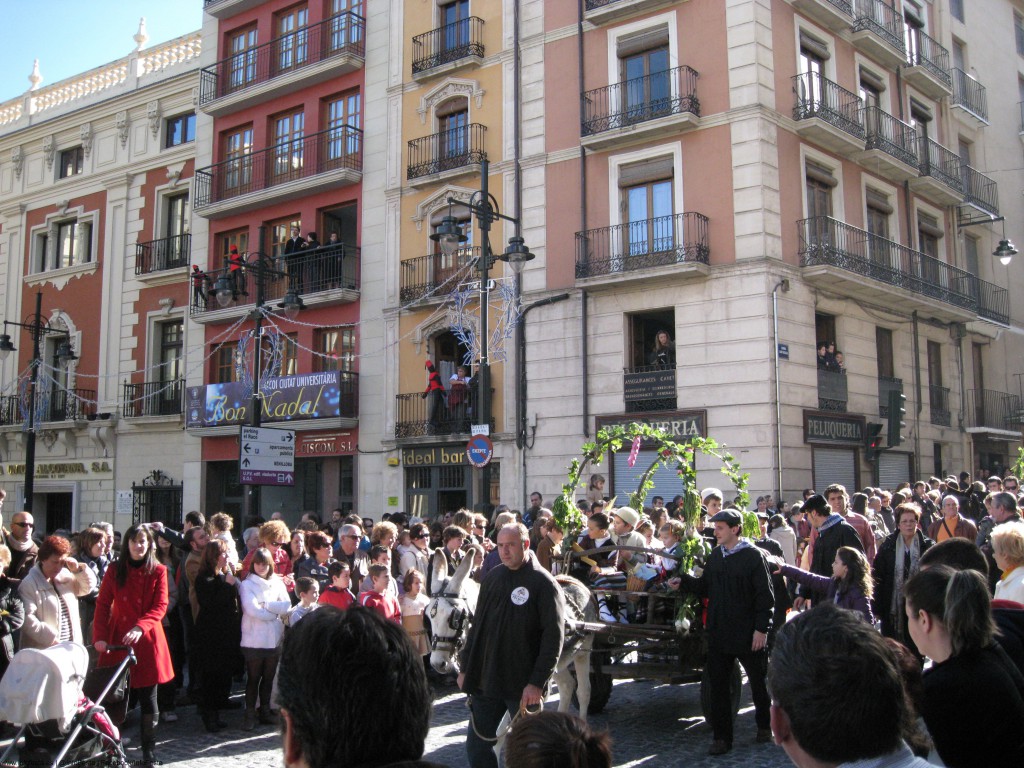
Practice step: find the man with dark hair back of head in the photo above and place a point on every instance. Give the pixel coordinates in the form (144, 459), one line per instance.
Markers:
(856, 710)
(333, 658)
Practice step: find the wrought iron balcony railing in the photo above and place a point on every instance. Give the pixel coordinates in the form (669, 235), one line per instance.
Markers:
(660, 94)
(447, 44)
(341, 34)
(833, 392)
(51, 405)
(310, 272)
(334, 149)
(152, 398)
(940, 163)
(880, 18)
(969, 94)
(425, 276)
(447, 150)
(887, 384)
(817, 96)
(989, 409)
(938, 404)
(418, 416)
(993, 302)
(923, 51)
(980, 190)
(643, 244)
(826, 241)
(166, 253)
(649, 388)
(891, 135)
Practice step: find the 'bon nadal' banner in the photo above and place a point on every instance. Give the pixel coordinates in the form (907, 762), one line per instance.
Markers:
(285, 398)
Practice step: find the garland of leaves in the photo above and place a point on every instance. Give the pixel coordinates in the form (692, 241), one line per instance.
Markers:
(680, 454)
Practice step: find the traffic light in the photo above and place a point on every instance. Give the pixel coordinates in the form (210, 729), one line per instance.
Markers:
(872, 442)
(897, 401)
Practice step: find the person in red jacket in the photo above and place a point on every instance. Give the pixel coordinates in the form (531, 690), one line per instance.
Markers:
(129, 611)
(379, 599)
(338, 593)
(435, 395)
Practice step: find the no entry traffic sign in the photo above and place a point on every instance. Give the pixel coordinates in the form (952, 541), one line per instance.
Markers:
(479, 450)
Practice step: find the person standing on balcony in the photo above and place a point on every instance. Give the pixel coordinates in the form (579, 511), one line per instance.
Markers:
(434, 394)
(293, 257)
(236, 268)
(333, 261)
(314, 268)
(458, 398)
(664, 354)
(198, 288)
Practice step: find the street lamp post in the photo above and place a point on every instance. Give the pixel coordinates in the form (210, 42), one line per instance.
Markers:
(449, 236)
(226, 292)
(65, 354)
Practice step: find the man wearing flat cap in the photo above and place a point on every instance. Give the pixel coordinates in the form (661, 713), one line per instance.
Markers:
(738, 584)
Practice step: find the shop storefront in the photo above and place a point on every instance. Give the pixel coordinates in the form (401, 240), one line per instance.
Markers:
(835, 442)
(439, 479)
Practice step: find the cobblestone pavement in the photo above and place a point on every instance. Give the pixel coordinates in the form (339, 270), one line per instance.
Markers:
(652, 725)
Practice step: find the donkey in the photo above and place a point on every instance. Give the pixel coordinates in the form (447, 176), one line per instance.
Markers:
(450, 612)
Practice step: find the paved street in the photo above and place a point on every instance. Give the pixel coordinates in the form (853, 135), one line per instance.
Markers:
(651, 725)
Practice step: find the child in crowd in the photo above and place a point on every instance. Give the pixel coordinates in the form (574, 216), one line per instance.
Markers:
(602, 574)
(378, 598)
(672, 534)
(338, 594)
(220, 525)
(414, 604)
(380, 555)
(308, 591)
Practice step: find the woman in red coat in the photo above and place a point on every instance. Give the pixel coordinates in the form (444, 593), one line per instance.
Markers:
(129, 611)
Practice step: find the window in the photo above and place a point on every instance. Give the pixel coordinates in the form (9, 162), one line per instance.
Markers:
(238, 238)
(913, 25)
(242, 66)
(169, 356)
(878, 212)
(343, 31)
(288, 146)
(959, 55)
(180, 130)
(819, 183)
(934, 364)
(74, 242)
(811, 68)
(971, 254)
(1018, 30)
(289, 354)
(646, 84)
(956, 9)
(824, 330)
(453, 125)
(456, 34)
(224, 371)
(238, 166)
(883, 347)
(176, 210)
(647, 200)
(71, 162)
(335, 349)
(645, 356)
(929, 233)
(280, 232)
(340, 112)
(292, 44)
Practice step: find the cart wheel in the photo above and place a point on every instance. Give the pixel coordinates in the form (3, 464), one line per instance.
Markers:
(600, 690)
(735, 688)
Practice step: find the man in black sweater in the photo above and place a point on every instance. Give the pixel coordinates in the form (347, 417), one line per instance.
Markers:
(738, 584)
(513, 644)
(833, 532)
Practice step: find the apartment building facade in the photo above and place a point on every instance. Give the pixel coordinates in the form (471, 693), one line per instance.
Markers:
(95, 217)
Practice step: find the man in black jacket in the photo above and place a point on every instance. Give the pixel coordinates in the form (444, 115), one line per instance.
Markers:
(513, 644)
(738, 584)
(833, 532)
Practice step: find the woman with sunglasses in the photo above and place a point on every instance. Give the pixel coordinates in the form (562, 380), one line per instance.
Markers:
(275, 538)
(417, 555)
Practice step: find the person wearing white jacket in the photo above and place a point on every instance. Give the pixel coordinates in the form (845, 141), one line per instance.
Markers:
(50, 591)
(265, 605)
(1008, 551)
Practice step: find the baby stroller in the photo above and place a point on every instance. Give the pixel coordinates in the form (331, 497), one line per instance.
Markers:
(69, 715)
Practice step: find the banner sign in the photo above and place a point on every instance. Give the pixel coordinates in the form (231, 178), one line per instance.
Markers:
(833, 429)
(285, 398)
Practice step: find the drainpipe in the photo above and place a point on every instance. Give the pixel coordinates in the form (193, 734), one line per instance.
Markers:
(784, 285)
(917, 394)
(584, 350)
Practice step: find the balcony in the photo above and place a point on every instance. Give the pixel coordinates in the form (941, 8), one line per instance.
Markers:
(225, 9)
(928, 66)
(448, 47)
(432, 277)
(849, 260)
(642, 108)
(837, 15)
(887, 384)
(833, 393)
(325, 276)
(980, 194)
(648, 388)
(891, 146)
(938, 405)
(969, 100)
(446, 154)
(305, 57)
(321, 161)
(152, 398)
(828, 114)
(650, 248)
(605, 11)
(941, 179)
(991, 411)
(51, 406)
(993, 302)
(412, 417)
(878, 32)
(159, 255)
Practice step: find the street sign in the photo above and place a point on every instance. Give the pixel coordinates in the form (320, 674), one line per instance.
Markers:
(266, 456)
(480, 429)
(783, 351)
(479, 451)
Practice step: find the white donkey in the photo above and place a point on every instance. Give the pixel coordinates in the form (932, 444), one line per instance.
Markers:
(450, 612)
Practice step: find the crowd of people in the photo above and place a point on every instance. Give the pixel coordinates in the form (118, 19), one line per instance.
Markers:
(937, 567)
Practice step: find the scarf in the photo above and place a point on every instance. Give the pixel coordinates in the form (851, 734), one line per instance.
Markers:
(896, 608)
(831, 520)
(741, 544)
(20, 546)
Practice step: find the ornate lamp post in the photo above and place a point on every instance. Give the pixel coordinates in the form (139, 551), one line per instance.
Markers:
(65, 354)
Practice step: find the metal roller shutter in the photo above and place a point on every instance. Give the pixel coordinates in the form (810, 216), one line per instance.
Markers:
(893, 469)
(835, 465)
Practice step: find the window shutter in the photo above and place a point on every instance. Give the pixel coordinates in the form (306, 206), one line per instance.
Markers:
(820, 174)
(814, 46)
(879, 201)
(655, 169)
(872, 80)
(929, 225)
(647, 40)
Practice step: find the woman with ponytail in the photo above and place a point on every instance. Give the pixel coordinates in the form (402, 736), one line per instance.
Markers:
(973, 701)
(550, 739)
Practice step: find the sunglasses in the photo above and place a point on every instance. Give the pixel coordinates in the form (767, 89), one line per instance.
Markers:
(25, 525)
(424, 536)
(349, 536)
(279, 543)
